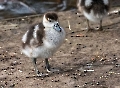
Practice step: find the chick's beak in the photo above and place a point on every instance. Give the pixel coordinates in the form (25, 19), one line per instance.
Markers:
(57, 27)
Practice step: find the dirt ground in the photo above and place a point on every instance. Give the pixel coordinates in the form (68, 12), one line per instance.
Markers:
(86, 59)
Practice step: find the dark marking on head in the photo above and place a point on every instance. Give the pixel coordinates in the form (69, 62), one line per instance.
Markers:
(40, 34)
(51, 16)
(97, 6)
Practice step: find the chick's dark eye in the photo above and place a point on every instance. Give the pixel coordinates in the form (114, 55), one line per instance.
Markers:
(49, 20)
(57, 24)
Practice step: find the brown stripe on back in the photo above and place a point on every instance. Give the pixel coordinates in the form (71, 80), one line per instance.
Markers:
(40, 34)
(29, 36)
(82, 3)
(97, 6)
